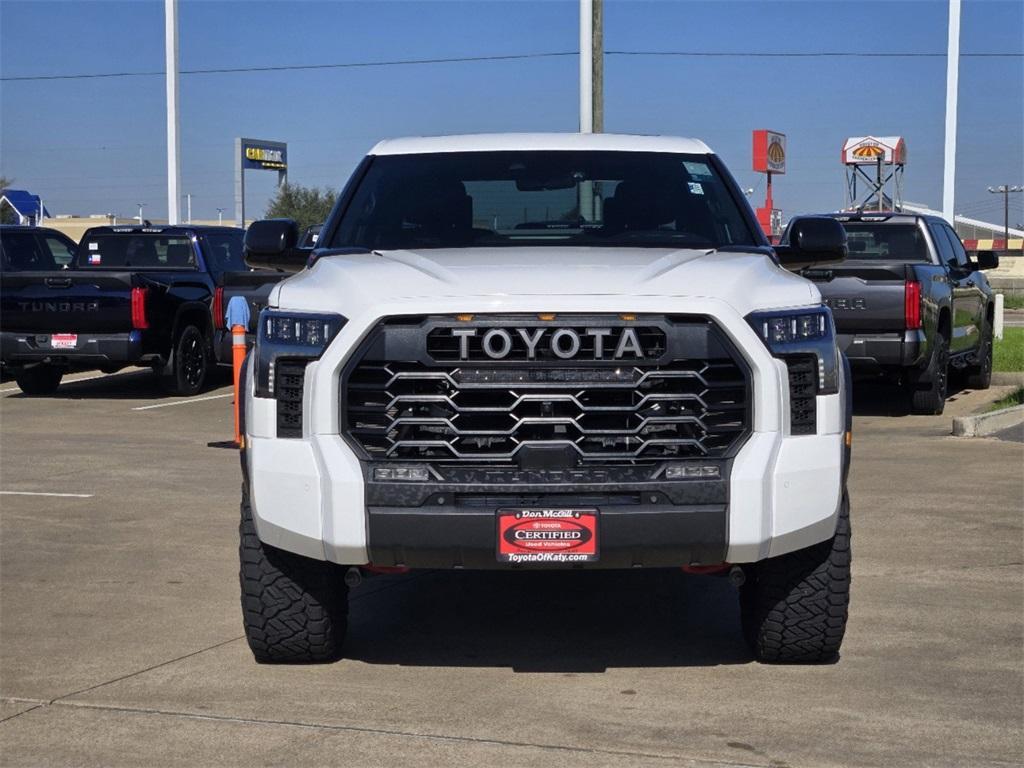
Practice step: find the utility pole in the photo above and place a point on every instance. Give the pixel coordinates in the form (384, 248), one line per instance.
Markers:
(952, 83)
(220, 216)
(141, 206)
(188, 207)
(173, 136)
(591, 66)
(1005, 190)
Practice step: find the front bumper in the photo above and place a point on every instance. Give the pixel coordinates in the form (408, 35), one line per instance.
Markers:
(311, 494)
(902, 349)
(92, 350)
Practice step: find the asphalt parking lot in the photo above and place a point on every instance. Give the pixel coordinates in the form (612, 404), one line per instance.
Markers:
(121, 641)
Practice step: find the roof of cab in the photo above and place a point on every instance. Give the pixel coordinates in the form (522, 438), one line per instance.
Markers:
(499, 142)
(158, 229)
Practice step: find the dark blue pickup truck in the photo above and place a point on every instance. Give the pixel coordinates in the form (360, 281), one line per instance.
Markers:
(131, 295)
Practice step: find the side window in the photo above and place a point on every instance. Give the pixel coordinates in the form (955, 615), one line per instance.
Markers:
(946, 255)
(61, 250)
(958, 248)
(24, 252)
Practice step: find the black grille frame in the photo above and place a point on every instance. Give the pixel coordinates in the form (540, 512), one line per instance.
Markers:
(398, 348)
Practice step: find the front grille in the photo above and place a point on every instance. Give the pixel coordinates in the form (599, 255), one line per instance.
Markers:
(290, 378)
(404, 398)
(803, 388)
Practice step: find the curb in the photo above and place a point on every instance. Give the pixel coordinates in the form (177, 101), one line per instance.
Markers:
(1008, 378)
(988, 423)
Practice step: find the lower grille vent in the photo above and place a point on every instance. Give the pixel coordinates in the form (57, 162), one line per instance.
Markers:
(290, 379)
(803, 387)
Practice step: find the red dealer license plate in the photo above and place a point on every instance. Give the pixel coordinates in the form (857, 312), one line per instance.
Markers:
(538, 535)
(64, 341)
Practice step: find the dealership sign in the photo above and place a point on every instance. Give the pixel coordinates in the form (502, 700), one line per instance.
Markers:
(264, 155)
(769, 152)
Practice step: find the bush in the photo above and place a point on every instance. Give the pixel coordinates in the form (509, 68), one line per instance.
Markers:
(305, 205)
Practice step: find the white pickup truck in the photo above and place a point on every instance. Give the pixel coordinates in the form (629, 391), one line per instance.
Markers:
(545, 351)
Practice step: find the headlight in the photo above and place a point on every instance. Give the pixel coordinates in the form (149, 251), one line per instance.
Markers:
(296, 336)
(792, 333)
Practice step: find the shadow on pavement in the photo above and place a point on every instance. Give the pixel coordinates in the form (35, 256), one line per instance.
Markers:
(548, 621)
(878, 397)
(125, 385)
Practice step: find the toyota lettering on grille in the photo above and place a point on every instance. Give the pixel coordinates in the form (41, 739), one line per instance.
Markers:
(563, 343)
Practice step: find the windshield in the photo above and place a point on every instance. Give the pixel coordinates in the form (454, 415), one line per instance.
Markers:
(138, 250)
(880, 242)
(534, 198)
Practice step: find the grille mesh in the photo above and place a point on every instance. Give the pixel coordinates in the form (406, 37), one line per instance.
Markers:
(415, 410)
(290, 377)
(803, 375)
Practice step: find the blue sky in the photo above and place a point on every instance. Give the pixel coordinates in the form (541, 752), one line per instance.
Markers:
(93, 146)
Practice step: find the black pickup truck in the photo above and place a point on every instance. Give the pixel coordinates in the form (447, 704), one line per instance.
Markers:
(132, 295)
(909, 303)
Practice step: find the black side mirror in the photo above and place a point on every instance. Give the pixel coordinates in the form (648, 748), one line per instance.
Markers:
(272, 243)
(986, 260)
(812, 241)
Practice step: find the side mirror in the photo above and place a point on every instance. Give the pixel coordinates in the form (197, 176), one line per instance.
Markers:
(812, 241)
(272, 243)
(986, 260)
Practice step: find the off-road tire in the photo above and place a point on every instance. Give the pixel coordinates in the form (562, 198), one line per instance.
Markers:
(189, 368)
(294, 609)
(928, 392)
(39, 380)
(794, 607)
(980, 376)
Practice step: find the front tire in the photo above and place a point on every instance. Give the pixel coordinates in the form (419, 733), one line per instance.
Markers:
(294, 609)
(931, 398)
(794, 607)
(39, 380)
(190, 363)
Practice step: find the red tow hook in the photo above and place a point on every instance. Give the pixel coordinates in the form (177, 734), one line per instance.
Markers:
(736, 573)
(384, 569)
(706, 570)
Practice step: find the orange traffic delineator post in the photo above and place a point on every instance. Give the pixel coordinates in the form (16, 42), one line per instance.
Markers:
(237, 358)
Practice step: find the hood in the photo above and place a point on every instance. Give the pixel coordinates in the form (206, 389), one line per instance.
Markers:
(746, 281)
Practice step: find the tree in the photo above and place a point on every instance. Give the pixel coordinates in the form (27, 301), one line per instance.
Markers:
(305, 205)
(7, 214)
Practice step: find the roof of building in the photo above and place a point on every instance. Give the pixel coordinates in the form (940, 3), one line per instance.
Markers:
(497, 142)
(23, 201)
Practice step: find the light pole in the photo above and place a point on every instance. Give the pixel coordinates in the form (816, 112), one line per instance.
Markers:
(141, 206)
(1005, 190)
(173, 135)
(952, 84)
(220, 216)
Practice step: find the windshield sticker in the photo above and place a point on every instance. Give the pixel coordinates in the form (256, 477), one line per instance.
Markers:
(94, 246)
(696, 188)
(95, 258)
(698, 169)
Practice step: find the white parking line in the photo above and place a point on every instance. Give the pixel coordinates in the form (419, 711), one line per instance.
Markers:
(183, 402)
(40, 493)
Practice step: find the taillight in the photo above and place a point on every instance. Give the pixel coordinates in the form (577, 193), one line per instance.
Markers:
(139, 320)
(912, 305)
(218, 307)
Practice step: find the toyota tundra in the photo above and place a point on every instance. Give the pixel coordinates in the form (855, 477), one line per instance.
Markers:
(540, 352)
